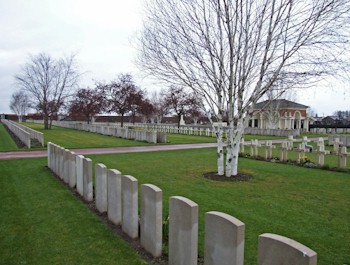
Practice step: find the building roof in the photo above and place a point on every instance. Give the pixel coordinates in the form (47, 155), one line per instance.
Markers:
(279, 103)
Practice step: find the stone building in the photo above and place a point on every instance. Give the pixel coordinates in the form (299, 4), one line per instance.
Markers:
(279, 114)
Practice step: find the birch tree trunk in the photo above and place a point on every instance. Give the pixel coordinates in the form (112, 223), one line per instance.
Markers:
(220, 149)
(234, 136)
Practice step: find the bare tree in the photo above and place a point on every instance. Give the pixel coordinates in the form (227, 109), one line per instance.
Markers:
(179, 101)
(136, 100)
(122, 95)
(20, 104)
(160, 105)
(49, 82)
(87, 102)
(146, 110)
(231, 53)
(195, 111)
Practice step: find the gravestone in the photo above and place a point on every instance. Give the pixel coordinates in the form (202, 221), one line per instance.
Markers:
(254, 151)
(284, 152)
(80, 170)
(66, 165)
(224, 239)
(342, 157)
(182, 121)
(130, 219)
(72, 174)
(161, 137)
(114, 194)
(336, 145)
(268, 149)
(290, 142)
(49, 155)
(275, 250)
(183, 231)
(87, 180)
(151, 222)
(301, 152)
(54, 157)
(320, 142)
(242, 146)
(61, 162)
(321, 152)
(305, 140)
(101, 187)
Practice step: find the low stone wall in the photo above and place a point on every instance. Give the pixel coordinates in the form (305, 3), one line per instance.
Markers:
(224, 240)
(18, 131)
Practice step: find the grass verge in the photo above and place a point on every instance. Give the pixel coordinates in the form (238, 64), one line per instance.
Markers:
(6, 141)
(41, 222)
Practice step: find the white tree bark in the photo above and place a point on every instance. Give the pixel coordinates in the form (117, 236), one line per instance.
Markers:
(220, 150)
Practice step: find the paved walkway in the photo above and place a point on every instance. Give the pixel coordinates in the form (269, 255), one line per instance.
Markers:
(120, 150)
(111, 150)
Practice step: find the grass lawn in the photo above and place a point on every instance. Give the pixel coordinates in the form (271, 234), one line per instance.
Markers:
(70, 138)
(41, 222)
(308, 205)
(6, 142)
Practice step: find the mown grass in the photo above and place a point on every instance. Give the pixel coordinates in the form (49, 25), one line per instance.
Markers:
(6, 141)
(41, 222)
(308, 205)
(70, 138)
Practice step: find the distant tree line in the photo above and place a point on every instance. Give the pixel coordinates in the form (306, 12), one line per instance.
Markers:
(123, 97)
(342, 113)
(51, 87)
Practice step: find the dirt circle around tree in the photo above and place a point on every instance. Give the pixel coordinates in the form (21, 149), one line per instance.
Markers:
(240, 177)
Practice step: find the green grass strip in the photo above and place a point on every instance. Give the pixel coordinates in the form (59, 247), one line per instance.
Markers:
(41, 222)
(70, 138)
(6, 141)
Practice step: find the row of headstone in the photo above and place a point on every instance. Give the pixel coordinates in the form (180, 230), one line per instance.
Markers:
(174, 129)
(302, 149)
(329, 130)
(121, 132)
(18, 131)
(208, 130)
(117, 195)
(39, 136)
(114, 194)
(343, 140)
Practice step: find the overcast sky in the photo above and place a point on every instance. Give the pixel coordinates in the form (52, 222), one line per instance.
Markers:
(101, 32)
